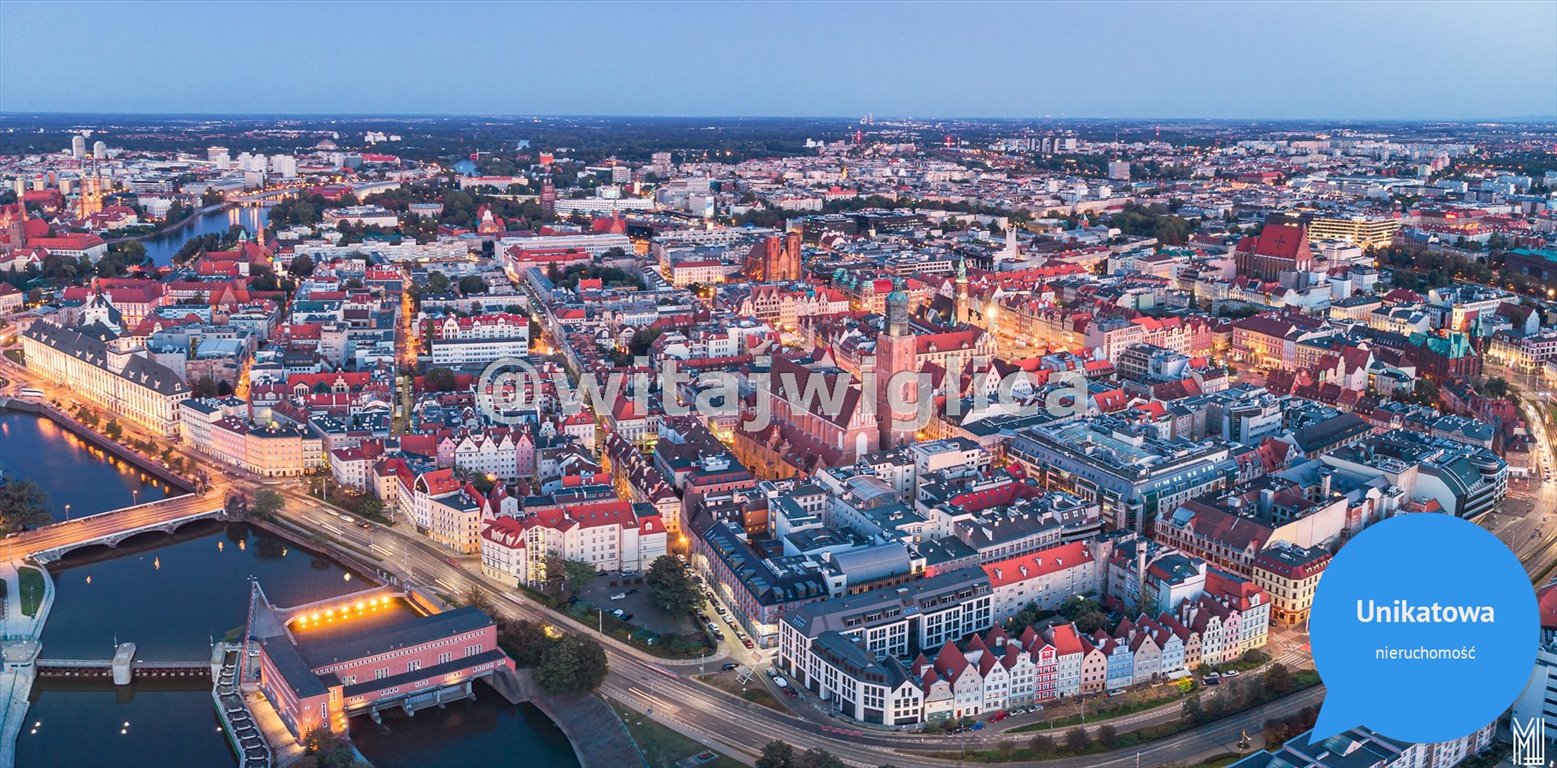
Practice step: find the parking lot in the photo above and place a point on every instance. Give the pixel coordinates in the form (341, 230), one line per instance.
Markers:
(644, 614)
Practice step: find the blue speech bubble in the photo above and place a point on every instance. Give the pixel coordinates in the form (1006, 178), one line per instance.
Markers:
(1424, 629)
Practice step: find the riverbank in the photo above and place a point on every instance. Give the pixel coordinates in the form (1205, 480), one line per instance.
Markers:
(143, 463)
(166, 228)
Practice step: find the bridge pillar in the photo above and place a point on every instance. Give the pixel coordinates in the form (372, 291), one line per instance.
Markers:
(123, 656)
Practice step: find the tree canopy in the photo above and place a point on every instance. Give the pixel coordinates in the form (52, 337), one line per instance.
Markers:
(670, 588)
(22, 506)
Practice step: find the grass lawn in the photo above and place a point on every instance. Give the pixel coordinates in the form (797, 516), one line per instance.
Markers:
(661, 746)
(16, 355)
(1220, 761)
(754, 691)
(31, 589)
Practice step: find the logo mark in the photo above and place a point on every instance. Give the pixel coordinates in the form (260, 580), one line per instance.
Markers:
(1529, 741)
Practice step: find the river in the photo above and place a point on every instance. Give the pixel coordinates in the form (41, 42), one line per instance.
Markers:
(162, 247)
(173, 595)
(70, 471)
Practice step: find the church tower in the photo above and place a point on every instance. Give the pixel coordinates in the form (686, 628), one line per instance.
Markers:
(895, 354)
(1010, 251)
(960, 299)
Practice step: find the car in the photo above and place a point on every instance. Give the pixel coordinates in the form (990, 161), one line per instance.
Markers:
(348, 519)
(1230, 673)
(619, 596)
(365, 525)
(747, 643)
(791, 693)
(781, 682)
(730, 666)
(702, 617)
(977, 726)
(1116, 692)
(773, 672)
(719, 634)
(998, 716)
(1213, 679)
(712, 627)
(620, 614)
(1035, 708)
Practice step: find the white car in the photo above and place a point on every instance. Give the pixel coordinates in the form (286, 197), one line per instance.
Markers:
(348, 519)
(780, 682)
(619, 596)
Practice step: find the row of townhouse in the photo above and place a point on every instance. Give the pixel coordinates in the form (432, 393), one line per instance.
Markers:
(850, 655)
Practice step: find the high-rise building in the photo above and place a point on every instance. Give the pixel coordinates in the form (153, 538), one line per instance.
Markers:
(218, 156)
(1119, 170)
(78, 146)
(100, 150)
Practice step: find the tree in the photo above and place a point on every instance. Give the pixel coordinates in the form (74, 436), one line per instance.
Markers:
(327, 749)
(437, 282)
(574, 664)
(816, 757)
(1194, 710)
(526, 641)
(670, 589)
(1078, 740)
(440, 380)
(302, 266)
(1108, 736)
(472, 284)
(1087, 614)
(1278, 679)
(112, 430)
(21, 506)
(1041, 745)
(267, 504)
(578, 574)
(776, 754)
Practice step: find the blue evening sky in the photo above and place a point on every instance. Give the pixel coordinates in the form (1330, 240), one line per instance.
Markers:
(1217, 60)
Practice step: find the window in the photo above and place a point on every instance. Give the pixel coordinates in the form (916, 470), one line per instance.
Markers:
(380, 674)
(413, 665)
(444, 658)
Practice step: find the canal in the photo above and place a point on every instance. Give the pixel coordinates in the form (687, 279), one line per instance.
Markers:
(162, 247)
(71, 472)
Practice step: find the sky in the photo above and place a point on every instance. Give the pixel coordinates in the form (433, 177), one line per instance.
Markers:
(1238, 60)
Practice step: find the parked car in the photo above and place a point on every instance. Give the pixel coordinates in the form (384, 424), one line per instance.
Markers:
(618, 613)
(1230, 673)
(748, 643)
(1116, 692)
(729, 666)
(773, 672)
(619, 596)
(998, 716)
(791, 693)
(712, 627)
(1213, 679)
(976, 727)
(780, 682)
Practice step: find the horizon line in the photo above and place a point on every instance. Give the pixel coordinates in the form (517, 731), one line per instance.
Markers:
(853, 118)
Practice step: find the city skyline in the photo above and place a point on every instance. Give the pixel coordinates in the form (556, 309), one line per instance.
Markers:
(1042, 61)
